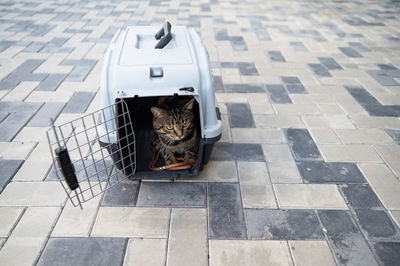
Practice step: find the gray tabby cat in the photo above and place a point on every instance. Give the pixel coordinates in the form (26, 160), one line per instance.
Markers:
(175, 132)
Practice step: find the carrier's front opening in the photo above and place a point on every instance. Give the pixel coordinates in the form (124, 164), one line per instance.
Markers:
(142, 121)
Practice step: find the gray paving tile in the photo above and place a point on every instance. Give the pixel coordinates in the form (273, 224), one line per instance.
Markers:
(247, 69)
(277, 93)
(238, 44)
(290, 80)
(283, 225)
(240, 115)
(34, 47)
(350, 52)
(330, 63)
(218, 84)
(296, 89)
(122, 194)
(359, 47)
(79, 102)
(83, 251)
(224, 151)
(244, 88)
(225, 213)
(382, 77)
(22, 73)
(320, 70)
(8, 168)
(298, 47)
(276, 56)
(394, 133)
(51, 82)
(388, 253)
(361, 196)
(301, 144)
(48, 110)
(20, 114)
(164, 194)
(322, 172)
(348, 245)
(362, 96)
(383, 110)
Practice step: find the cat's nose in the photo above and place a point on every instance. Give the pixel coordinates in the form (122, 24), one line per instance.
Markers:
(179, 133)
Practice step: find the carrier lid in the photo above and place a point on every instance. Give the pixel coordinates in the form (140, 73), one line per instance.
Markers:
(139, 42)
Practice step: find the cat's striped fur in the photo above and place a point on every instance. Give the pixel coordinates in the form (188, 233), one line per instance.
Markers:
(175, 131)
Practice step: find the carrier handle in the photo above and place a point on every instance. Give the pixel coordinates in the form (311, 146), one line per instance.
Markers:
(166, 32)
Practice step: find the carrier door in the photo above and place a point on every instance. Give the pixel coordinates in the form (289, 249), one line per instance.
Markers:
(94, 152)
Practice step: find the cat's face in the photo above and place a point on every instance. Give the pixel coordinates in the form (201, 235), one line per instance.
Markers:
(175, 122)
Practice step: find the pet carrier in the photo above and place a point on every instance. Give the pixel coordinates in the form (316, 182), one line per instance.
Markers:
(104, 147)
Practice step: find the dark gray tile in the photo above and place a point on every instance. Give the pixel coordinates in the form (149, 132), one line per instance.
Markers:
(388, 253)
(359, 47)
(322, 172)
(360, 196)
(163, 194)
(79, 102)
(262, 34)
(283, 224)
(8, 168)
(228, 65)
(122, 194)
(296, 89)
(22, 73)
(382, 77)
(298, 47)
(387, 66)
(221, 35)
(225, 213)
(224, 151)
(244, 88)
(218, 84)
(376, 224)
(278, 94)
(290, 80)
(320, 70)
(383, 110)
(350, 52)
(83, 251)
(302, 145)
(394, 133)
(238, 44)
(79, 73)
(240, 115)
(247, 69)
(329, 63)
(348, 245)
(19, 114)
(48, 110)
(51, 82)
(361, 95)
(276, 56)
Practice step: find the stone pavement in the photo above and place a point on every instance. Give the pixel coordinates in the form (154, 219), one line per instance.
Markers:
(307, 171)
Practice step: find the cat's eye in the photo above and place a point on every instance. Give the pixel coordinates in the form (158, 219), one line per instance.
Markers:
(185, 124)
(169, 127)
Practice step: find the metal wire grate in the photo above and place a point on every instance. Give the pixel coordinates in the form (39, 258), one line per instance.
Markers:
(100, 146)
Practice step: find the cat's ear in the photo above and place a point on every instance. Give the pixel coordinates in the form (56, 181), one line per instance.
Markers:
(157, 112)
(189, 105)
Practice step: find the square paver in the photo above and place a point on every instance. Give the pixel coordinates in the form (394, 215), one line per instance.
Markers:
(307, 253)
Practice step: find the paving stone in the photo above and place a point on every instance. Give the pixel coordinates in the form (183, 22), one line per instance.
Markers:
(324, 136)
(79, 102)
(298, 46)
(376, 224)
(350, 52)
(296, 89)
(311, 253)
(188, 237)
(83, 251)
(240, 115)
(32, 194)
(244, 88)
(309, 196)
(290, 80)
(260, 135)
(390, 155)
(122, 194)
(172, 195)
(9, 218)
(247, 69)
(384, 183)
(284, 172)
(382, 78)
(259, 104)
(367, 136)
(76, 222)
(330, 63)
(396, 217)
(301, 144)
(320, 70)
(387, 252)
(360, 196)
(395, 134)
(24, 238)
(362, 96)
(132, 222)
(218, 84)
(322, 172)
(276, 56)
(51, 82)
(8, 168)
(277, 153)
(349, 153)
(49, 110)
(16, 150)
(225, 213)
(349, 247)
(277, 93)
(215, 171)
(278, 121)
(283, 224)
(249, 252)
(255, 185)
(224, 151)
(143, 251)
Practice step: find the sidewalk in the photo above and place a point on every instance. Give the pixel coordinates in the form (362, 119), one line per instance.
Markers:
(307, 170)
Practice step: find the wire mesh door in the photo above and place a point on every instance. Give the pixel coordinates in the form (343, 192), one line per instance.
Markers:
(94, 152)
